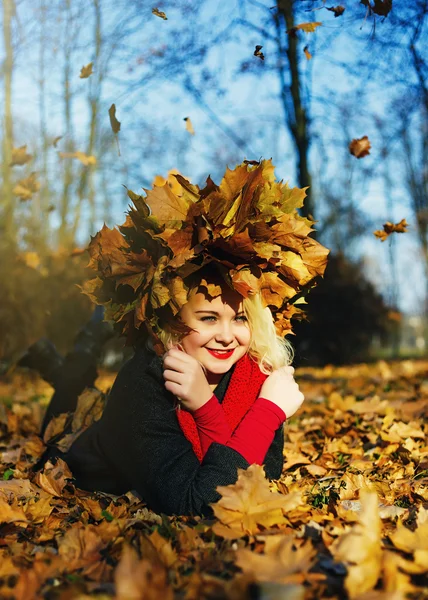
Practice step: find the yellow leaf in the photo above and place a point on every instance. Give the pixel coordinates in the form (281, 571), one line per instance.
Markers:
(31, 259)
(84, 158)
(307, 53)
(115, 124)
(25, 188)
(86, 71)
(389, 228)
(249, 504)
(285, 560)
(308, 27)
(159, 13)
(189, 126)
(360, 548)
(20, 156)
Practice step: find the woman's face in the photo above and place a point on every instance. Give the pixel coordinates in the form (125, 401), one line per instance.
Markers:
(221, 335)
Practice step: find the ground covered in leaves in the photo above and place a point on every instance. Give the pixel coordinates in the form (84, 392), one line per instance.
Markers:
(348, 518)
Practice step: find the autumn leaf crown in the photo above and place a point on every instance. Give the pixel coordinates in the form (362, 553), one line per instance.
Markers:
(248, 227)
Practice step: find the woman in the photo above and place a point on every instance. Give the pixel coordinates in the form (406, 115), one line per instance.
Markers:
(180, 421)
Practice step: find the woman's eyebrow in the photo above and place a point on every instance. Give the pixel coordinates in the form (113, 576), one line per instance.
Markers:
(214, 312)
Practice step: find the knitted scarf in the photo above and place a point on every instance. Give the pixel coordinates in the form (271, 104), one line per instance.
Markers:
(242, 391)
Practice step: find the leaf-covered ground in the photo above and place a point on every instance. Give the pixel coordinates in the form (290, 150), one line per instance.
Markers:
(348, 518)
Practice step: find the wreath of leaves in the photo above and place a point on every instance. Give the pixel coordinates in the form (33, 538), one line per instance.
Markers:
(248, 226)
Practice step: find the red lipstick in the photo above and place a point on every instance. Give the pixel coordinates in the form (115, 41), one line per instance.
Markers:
(221, 354)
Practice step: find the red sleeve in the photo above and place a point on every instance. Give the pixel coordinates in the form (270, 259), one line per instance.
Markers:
(212, 424)
(254, 435)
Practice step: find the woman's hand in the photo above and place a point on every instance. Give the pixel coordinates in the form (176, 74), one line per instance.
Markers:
(281, 389)
(185, 378)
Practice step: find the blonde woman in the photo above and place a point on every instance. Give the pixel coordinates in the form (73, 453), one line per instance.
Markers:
(180, 421)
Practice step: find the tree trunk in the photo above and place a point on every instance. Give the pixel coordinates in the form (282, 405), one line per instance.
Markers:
(8, 200)
(86, 179)
(295, 113)
(64, 233)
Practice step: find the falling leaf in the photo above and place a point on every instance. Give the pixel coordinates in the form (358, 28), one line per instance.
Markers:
(189, 126)
(25, 188)
(86, 71)
(338, 10)
(307, 53)
(115, 124)
(389, 228)
(84, 158)
(159, 13)
(306, 27)
(360, 147)
(56, 140)
(382, 7)
(258, 53)
(20, 156)
(248, 506)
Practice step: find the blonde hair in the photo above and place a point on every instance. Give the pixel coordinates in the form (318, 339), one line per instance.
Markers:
(266, 347)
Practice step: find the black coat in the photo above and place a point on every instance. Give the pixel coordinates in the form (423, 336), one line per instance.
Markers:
(138, 445)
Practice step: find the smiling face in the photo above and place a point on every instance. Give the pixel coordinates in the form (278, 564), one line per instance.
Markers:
(221, 335)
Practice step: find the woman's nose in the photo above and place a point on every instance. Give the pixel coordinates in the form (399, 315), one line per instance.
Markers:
(225, 334)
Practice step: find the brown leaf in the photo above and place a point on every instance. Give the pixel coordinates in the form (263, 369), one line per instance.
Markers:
(159, 13)
(249, 504)
(285, 560)
(360, 147)
(137, 579)
(360, 549)
(338, 10)
(53, 478)
(258, 53)
(86, 71)
(84, 158)
(114, 123)
(20, 156)
(382, 7)
(25, 188)
(389, 228)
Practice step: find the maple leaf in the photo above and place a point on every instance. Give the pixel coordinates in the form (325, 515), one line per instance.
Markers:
(248, 505)
(25, 188)
(84, 158)
(414, 542)
(360, 548)
(306, 27)
(20, 156)
(159, 13)
(360, 147)
(285, 560)
(389, 228)
(86, 71)
(135, 579)
(114, 123)
(53, 478)
(189, 126)
(258, 53)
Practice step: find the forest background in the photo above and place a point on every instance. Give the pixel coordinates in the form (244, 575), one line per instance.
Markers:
(192, 93)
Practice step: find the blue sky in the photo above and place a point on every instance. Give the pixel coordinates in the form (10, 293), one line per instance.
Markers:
(153, 138)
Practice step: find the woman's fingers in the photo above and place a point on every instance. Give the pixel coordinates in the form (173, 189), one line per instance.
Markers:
(174, 376)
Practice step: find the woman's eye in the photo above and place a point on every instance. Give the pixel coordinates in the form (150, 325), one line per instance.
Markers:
(242, 319)
(207, 318)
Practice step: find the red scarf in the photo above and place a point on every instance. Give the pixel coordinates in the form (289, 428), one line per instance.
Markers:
(242, 391)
